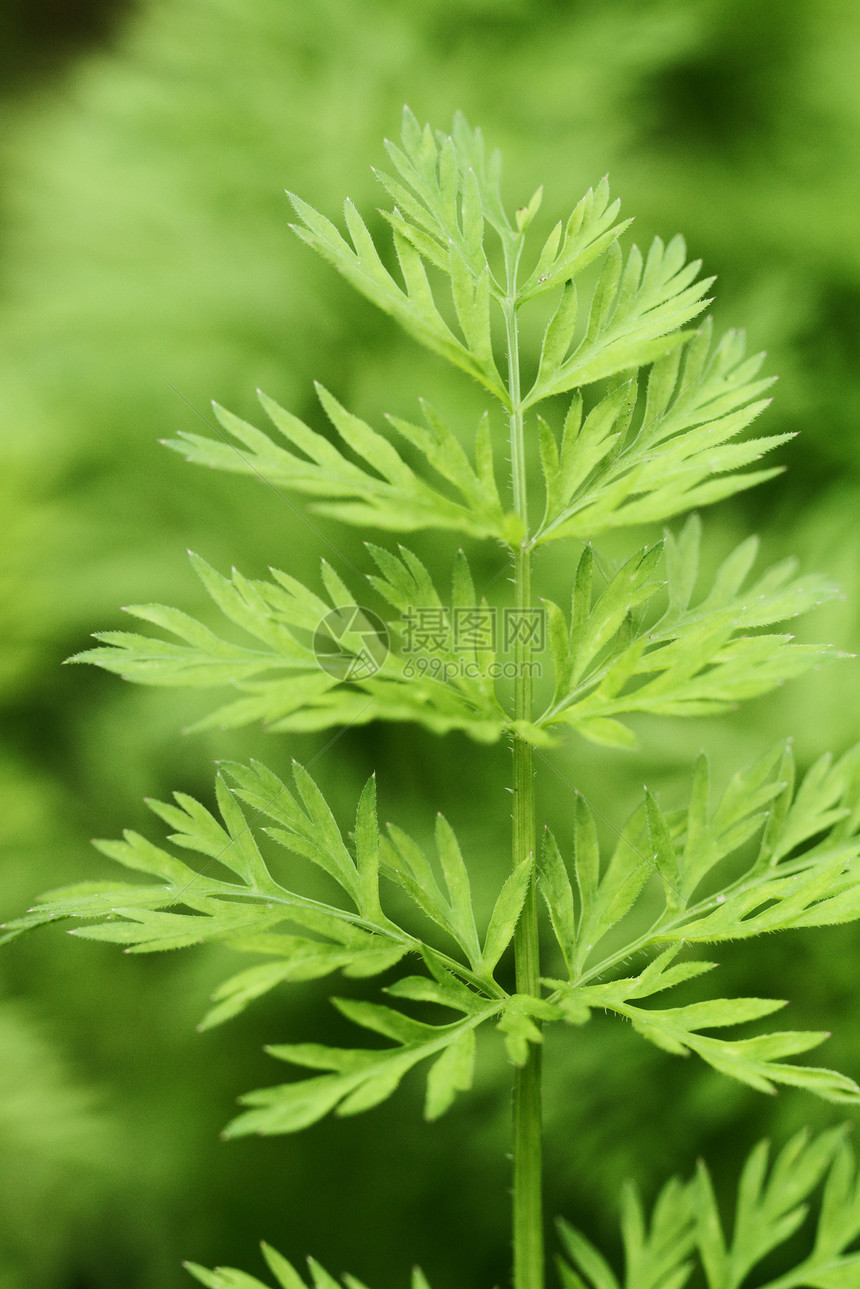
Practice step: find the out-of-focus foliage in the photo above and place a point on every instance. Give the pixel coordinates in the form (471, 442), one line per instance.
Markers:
(144, 245)
(53, 1146)
(38, 37)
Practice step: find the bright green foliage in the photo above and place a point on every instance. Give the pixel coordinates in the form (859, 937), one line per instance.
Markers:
(798, 874)
(614, 657)
(686, 1228)
(304, 938)
(622, 462)
(619, 466)
(665, 466)
(285, 1274)
(400, 499)
(282, 681)
(696, 659)
(766, 856)
(360, 1079)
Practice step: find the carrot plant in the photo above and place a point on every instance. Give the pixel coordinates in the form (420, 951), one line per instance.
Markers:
(638, 416)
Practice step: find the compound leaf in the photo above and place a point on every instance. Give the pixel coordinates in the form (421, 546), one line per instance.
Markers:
(636, 315)
(644, 645)
(316, 664)
(254, 912)
(383, 492)
(617, 469)
(773, 1204)
(358, 1079)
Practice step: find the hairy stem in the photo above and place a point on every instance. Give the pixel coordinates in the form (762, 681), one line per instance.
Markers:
(527, 1146)
(528, 1204)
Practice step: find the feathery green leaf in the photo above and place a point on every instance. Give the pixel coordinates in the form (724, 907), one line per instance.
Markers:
(383, 492)
(639, 648)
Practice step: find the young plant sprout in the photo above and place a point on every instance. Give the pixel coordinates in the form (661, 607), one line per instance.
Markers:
(637, 415)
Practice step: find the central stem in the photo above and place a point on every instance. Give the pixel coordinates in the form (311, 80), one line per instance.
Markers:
(527, 1146)
(528, 1204)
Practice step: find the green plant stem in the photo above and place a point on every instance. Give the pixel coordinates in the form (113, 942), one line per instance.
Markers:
(527, 1145)
(528, 1200)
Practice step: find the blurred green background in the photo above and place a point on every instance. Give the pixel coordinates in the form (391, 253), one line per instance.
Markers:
(146, 266)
